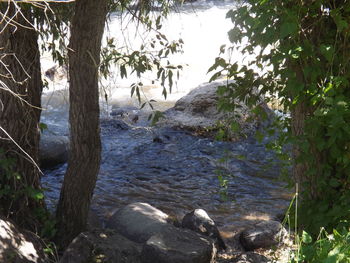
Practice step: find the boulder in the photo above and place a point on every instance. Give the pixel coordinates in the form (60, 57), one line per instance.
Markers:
(198, 111)
(93, 220)
(17, 246)
(53, 150)
(129, 114)
(176, 245)
(138, 221)
(57, 73)
(265, 234)
(251, 257)
(111, 125)
(101, 245)
(199, 221)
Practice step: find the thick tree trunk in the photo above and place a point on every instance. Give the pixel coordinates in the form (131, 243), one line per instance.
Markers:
(83, 165)
(20, 96)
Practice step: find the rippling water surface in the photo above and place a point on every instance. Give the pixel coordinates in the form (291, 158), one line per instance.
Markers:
(176, 173)
(172, 169)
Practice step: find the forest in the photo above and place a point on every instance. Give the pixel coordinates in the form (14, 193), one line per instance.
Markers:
(261, 145)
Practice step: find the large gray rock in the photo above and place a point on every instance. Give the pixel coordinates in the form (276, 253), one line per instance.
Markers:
(18, 246)
(198, 111)
(138, 221)
(265, 234)
(199, 221)
(102, 245)
(176, 245)
(53, 150)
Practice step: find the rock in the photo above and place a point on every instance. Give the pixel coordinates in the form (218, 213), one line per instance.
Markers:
(57, 73)
(176, 245)
(112, 125)
(101, 245)
(138, 221)
(129, 114)
(200, 101)
(161, 138)
(53, 150)
(93, 221)
(199, 221)
(123, 111)
(17, 246)
(265, 234)
(198, 111)
(250, 257)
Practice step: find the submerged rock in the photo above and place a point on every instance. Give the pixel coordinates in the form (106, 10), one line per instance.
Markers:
(138, 221)
(102, 245)
(265, 234)
(199, 221)
(176, 245)
(17, 246)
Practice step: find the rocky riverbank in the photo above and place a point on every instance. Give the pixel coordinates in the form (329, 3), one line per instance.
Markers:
(141, 233)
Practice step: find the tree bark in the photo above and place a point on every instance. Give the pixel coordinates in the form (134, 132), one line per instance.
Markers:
(20, 102)
(83, 166)
(298, 114)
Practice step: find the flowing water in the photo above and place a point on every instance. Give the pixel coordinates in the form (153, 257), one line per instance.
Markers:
(172, 169)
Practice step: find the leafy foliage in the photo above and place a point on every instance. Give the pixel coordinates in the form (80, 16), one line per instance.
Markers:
(152, 56)
(328, 248)
(146, 59)
(297, 52)
(13, 187)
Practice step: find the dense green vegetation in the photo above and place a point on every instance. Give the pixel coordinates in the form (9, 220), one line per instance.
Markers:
(297, 53)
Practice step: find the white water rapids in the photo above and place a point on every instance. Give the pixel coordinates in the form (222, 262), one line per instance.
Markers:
(203, 28)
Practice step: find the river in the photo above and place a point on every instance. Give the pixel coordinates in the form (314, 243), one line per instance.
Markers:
(171, 169)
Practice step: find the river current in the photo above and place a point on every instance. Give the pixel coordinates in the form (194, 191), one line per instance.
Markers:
(174, 170)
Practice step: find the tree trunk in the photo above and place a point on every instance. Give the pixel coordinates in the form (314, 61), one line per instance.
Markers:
(83, 166)
(298, 115)
(20, 99)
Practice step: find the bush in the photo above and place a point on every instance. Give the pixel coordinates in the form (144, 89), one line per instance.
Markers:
(328, 248)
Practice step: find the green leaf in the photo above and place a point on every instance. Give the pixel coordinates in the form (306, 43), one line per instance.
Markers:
(34, 193)
(132, 89)
(216, 76)
(157, 115)
(42, 126)
(334, 182)
(288, 28)
(123, 73)
(170, 79)
(306, 238)
(263, 2)
(234, 34)
(164, 93)
(327, 51)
